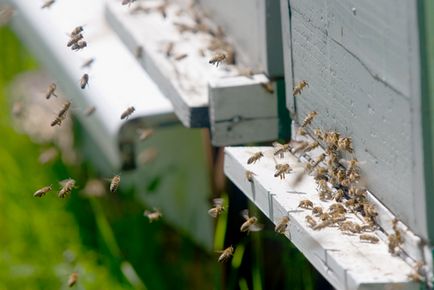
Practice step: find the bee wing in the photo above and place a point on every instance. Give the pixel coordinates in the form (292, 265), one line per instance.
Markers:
(245, 214)
(218, 201)
(256, 227)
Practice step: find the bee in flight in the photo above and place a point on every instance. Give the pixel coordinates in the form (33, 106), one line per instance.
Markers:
(68, 185)
(225, 254)
(127, 113)
(255, 157)
(251, 224)
(41, 192)
(153, 215)
(114, 184)
(299, 87)
(217, 209)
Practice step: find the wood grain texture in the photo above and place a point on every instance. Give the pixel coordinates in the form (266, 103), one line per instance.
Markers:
(361, 61)
(342, 259)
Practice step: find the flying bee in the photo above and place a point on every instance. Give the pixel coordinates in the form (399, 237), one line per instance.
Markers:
(127, 113)
(153, 215)
(369, 238)
(218, 207)
(281, 170)
(50, 91)
(180, 56)
(114, 184)
(47, 4)
(217, 59)
(305, 203)
(246, 72)
(255, 157)
(74, 39)
(282, 225)
(77, 30)
(147, 155)
(226, 254)
(251, 224)
(48, 155)
(281, 148)
(249, 175)
(88, 63)
(6, 13)
(299, 87)
(145, 134)
(41, 192)
(268, 87)
(84, 81)
(311, 221)
(64, 109)
(90, 111)
(72, 280)
(346, 144)
(57, 121)
(309, 118)
(79, 45)
(68, 185)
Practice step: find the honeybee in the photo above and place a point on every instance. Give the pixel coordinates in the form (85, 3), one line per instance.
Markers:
(246, 72)
(281, 170)
(309, 118)
(300, 147)
(57, 121)
(311, 221)
(339, 195)
(317, 210)
(84, 81)
(73, 278)
(47, 4)
(88, 63)
(350, 227)
(251, 223)
(299, 87)
(415, 274)
(218, 207)
(77, 30)
(326, 223)
(369, 238)
(125, 2)
(74, 39)
(65, 109)
(217, 59)
(268, 87)
(255, 157)
(79, 45)
(94, 188)
(90, 111)
(305, 203)
(50, 91)
(332, 138)
(68, 185)
(127, 113)
(226, 254)
(281, 148)
(249, 175)
(41, 192)
(318, 133)
(311, 146)
(320, 173)
(48, 155)
(324, 216)
(282, 225)
(394, 242)
(301, 131)
(345, 143)
(168, 50)
(369, 210)
(180, 56)
(6, 13)
(114, 184)
(147, 155)
(153, 215)
(144, 134)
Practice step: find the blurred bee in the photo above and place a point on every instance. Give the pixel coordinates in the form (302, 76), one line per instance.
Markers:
(64, 110)
(226, 254)
(320, 173)
(79, 45)
(84, 81)
(281, 170)
(346, 144)
(268, 87)
(114, 184)
(154, 215)
(217, 209)
(168, 49)
(47, 4)
(180, 56)
(144, 134)
(90, 111)
(6, 13)
(217, 59)
(41, 192)
(251, 223)
(325, 223)
(299, 87)
(309, 118)
(282, 225)
(415, 274)
(249, 175)
(162, 9)
(48, 155)
(279, 149)
(305, 203)
(76, 30)
(246, 72)
(138, 52)
(68, 185)
(255, 157)
(311, 221)
(127, 113)
(147, 155)
(50, 91)
(72, 280)
(369, 238)
(301, 131)
(57, 121)
(88, 63)
(74, 39)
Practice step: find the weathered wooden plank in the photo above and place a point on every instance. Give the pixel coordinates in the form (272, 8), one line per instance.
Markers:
(242, 110)
(361, 61)
(344, 261)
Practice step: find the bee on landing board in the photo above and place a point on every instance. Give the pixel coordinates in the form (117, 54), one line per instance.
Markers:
(217, 209)
(309, 118)
(251, 224)
(226, 254)
(369, 238)
(306, 204)
(217, 59)
(282, 170)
